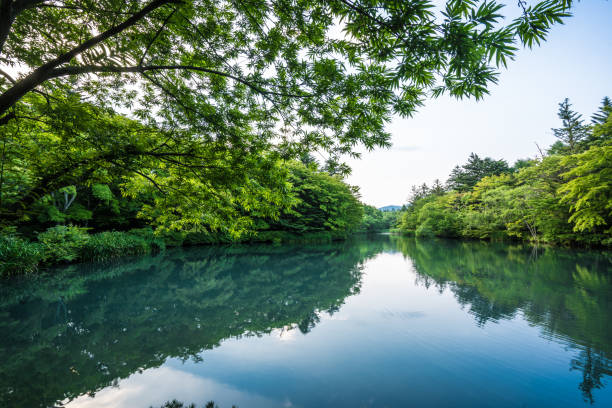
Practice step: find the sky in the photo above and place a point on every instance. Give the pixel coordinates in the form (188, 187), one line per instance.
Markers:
(575, 62)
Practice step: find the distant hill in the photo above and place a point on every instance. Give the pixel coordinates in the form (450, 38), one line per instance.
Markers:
(391, 208)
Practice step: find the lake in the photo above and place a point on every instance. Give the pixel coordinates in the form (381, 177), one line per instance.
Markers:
(382, 321)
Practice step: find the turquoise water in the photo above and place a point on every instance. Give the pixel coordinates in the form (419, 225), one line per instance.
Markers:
(378, 322)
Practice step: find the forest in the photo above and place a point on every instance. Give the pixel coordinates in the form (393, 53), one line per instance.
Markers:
(562, 197)
(128, 126)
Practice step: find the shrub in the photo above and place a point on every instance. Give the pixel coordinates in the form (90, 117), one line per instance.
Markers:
(63, 243)
(18, 256)
(157, 243)
(113, 244)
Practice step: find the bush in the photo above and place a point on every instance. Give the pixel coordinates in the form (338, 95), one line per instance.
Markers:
(63, 243)
(113, 244)
(18, 256)
(157, 243)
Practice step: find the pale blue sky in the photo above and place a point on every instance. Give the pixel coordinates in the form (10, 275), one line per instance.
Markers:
(575, 62)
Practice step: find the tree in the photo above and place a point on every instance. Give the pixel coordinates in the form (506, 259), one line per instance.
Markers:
(436, 217)
(323, 203)
(588, 190)
(604, 111)
(465, 177)
(237, 78)
(186, 184)
(573, 130)
(437, 188)
(601, 128)
(418, 192)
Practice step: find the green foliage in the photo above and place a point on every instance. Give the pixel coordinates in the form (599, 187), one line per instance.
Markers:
(436, 217)
(113, 244)
(18, 256)
(526, 205)
(116, 167)
(375, 220)
(465, 177)
(482, 214)
(102, 192)
(573, 131)
(63, 243)
(321, 208)
(588, 190)
(322, 203)
(563, 198)
(601, 132)
(601, 116)
(218, 100)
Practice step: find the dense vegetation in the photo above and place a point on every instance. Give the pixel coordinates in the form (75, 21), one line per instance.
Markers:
(563, 197)
(323, 208)
(189, 118)
(375, 220)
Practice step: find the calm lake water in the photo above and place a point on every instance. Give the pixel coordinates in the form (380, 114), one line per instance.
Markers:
(378, 322)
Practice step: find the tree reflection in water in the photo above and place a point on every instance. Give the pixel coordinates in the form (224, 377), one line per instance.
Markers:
(568, 294)
(85, 327)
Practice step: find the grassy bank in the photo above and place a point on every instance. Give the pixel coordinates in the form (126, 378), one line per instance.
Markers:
(70, 244)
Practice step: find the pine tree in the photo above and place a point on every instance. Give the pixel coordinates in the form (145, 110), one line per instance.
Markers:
(465, 177)
(573, 130)
(437, 188)
(604, 111)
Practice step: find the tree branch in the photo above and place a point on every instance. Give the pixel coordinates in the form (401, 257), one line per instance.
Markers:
(157, 34)
(7, 76)
(9, 10)
(87, 69)
(43, 73)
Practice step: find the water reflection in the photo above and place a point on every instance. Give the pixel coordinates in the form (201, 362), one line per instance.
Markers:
(83, 329)
(86, 329)
(567, 294)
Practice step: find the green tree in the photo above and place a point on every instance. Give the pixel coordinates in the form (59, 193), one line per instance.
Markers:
(465, 177)
(223, 90)
(573, 129)
(484, 211)
(437, 218)
(376, 220)
(601, 132)
(604, 111)
(373, 219)
(186, 184)
(323, 203)
(588, 190)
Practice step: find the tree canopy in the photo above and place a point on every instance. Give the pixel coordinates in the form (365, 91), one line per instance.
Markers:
(573, 129)
(215, 95)
(465, 177)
